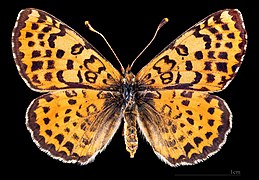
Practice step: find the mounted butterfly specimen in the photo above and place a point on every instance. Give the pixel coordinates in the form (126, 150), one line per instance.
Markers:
(169, 99)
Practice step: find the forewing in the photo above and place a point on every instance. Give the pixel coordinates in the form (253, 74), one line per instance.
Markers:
(183, 127)
(50, 55)
(206, 57)
(73, 125)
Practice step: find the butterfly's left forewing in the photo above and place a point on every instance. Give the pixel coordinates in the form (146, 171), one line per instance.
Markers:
(206, 57)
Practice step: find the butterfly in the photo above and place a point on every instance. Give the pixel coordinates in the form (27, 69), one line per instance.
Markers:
(169, 100)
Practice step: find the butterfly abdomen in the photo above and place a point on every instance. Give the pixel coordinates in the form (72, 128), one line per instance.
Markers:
(130, 130)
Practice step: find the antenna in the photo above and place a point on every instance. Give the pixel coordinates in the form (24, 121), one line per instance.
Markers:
(87, 23)
(161, 24)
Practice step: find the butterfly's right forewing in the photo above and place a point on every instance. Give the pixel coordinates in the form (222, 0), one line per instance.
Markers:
(50, 55)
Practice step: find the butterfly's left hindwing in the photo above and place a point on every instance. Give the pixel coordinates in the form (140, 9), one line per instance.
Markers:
(50, 55)
(184, 127)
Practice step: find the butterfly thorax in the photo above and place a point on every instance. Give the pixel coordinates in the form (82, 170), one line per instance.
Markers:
(130, 113)
(128, 86)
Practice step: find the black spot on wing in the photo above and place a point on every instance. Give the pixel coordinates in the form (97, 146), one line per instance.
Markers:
(210, 78)
(211, 54)
(187, 148)
(231, 36)
(48, 132)
(28, 34)
(229, 45)
(221, 66)
(207, 66)
(213, 30)
(36, 65)
(197, 78)
(219, 36)
(46, 29)
(187, 94)
(217, 18)
(69, 146)
(198, 55)
(60, 53)
(60, 138)
(223, 55)
(182, 50)
(185, 102)
(46, 120)
(207, 39)
(208, 134)
(197, 141)
(31, 43)
(35, 54)
(51, 64)
(41, 35)
(190, 120)
(225, 27)
(70, 64)
(188, 65)
(48, 76)
(48, 53)
(77, 49)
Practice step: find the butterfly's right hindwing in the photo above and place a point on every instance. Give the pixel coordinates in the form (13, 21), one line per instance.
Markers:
(73, 125)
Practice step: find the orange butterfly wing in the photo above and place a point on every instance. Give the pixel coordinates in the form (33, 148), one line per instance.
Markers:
(79, 115)
(183, 123)
(206, 57)
(50, 55)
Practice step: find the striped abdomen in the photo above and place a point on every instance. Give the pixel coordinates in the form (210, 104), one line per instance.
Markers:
(130, 131)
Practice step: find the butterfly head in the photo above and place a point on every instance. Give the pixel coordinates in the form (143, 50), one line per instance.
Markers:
(129, 77)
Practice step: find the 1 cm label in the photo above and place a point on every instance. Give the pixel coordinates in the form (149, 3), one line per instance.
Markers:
(235, 172)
